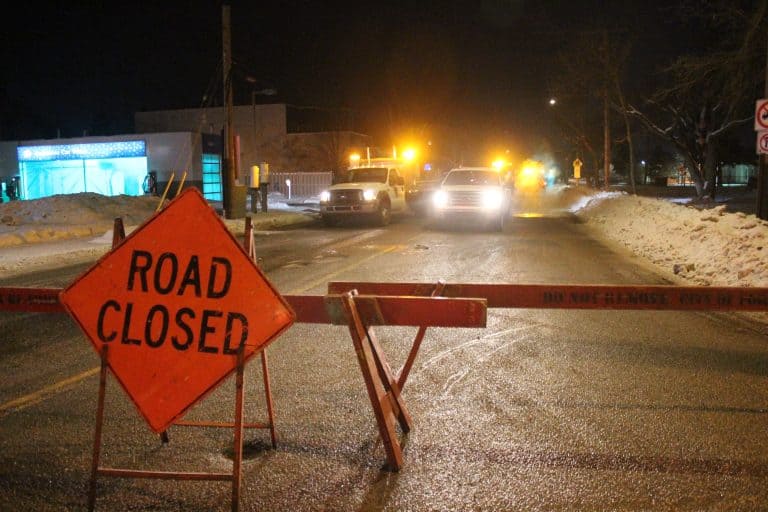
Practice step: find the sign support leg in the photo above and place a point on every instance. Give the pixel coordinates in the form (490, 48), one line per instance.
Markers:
(235, 477)
(97, 432)
(237, 458)
(249, 245)
(250, 248)
(118, 235)
(268, 397)
(118, 232)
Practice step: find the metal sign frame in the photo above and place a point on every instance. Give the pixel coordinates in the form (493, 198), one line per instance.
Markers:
(129, 299)
(237, 425)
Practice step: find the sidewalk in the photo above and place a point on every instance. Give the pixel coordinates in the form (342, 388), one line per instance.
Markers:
(32, 246)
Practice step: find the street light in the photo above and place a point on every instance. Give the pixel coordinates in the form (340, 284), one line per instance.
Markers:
(552, 101)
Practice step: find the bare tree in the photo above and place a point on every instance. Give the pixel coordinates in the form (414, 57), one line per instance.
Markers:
(593, 69)
(579, 127)
(710, 94)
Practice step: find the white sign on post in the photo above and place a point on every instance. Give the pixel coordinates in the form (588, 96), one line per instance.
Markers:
(761, 115)
(762, 142)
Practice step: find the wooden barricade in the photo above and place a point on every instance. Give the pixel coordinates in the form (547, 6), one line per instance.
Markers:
(543, 296)
(360, 314)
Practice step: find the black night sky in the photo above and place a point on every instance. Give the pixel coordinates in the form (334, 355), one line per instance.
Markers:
(485, 65)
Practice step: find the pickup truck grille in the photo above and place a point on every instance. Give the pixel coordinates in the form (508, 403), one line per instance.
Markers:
(465, 198)
(346, 196)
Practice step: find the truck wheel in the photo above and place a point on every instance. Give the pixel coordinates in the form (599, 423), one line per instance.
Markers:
(383, 214)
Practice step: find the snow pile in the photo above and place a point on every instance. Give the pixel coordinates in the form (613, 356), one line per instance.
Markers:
(62, 217)
(704, 246)
(76, 228)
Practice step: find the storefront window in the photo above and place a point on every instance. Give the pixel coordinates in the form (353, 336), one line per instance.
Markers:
(110, 168)
(212, 177)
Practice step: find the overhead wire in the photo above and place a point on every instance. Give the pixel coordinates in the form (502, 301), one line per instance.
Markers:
(207, 101)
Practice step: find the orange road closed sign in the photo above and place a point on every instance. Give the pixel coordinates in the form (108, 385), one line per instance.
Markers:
(175, 302)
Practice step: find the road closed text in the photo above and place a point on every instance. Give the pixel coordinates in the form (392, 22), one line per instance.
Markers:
(177, 322)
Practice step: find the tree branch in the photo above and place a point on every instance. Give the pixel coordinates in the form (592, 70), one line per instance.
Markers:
(727, 126)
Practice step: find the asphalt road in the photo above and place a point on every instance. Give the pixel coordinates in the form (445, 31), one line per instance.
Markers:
(541, 410)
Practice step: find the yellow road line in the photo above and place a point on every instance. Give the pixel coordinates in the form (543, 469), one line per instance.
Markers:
(42, 394)
(327, 277)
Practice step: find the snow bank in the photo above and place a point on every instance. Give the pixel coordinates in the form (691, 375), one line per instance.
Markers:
(704, 246)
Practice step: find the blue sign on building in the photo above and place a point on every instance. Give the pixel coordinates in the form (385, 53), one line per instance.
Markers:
(89, 151)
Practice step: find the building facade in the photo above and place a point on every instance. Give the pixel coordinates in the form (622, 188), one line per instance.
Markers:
(281, 135)
(174, 145)
(132, 164)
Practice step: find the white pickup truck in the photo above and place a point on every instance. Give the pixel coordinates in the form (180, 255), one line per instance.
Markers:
(479, 195)
(375, 193)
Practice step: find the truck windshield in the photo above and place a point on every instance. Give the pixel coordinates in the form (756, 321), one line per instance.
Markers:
(471, 178)
(369, 174)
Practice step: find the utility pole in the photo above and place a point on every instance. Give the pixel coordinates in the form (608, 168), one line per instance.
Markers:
(606, 140)
(228, 170)
(606, 117)
(761, 209)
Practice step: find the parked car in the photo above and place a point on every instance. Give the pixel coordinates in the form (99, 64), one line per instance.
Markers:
(474, 194)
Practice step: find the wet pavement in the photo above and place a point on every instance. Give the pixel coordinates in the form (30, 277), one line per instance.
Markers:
(541, 410)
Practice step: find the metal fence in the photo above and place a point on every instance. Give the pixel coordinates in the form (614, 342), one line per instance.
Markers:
(303, 184)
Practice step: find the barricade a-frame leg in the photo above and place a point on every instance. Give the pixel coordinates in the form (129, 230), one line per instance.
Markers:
(403, 376)
(381, 385)
(97, 429)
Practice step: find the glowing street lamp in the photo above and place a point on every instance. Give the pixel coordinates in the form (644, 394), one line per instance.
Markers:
(409, 154)
(354, 159)
(553, 101)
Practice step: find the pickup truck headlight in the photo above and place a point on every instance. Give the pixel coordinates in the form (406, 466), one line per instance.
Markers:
(369, 194)
(440, 199)
(325, 196)
(492, 199)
